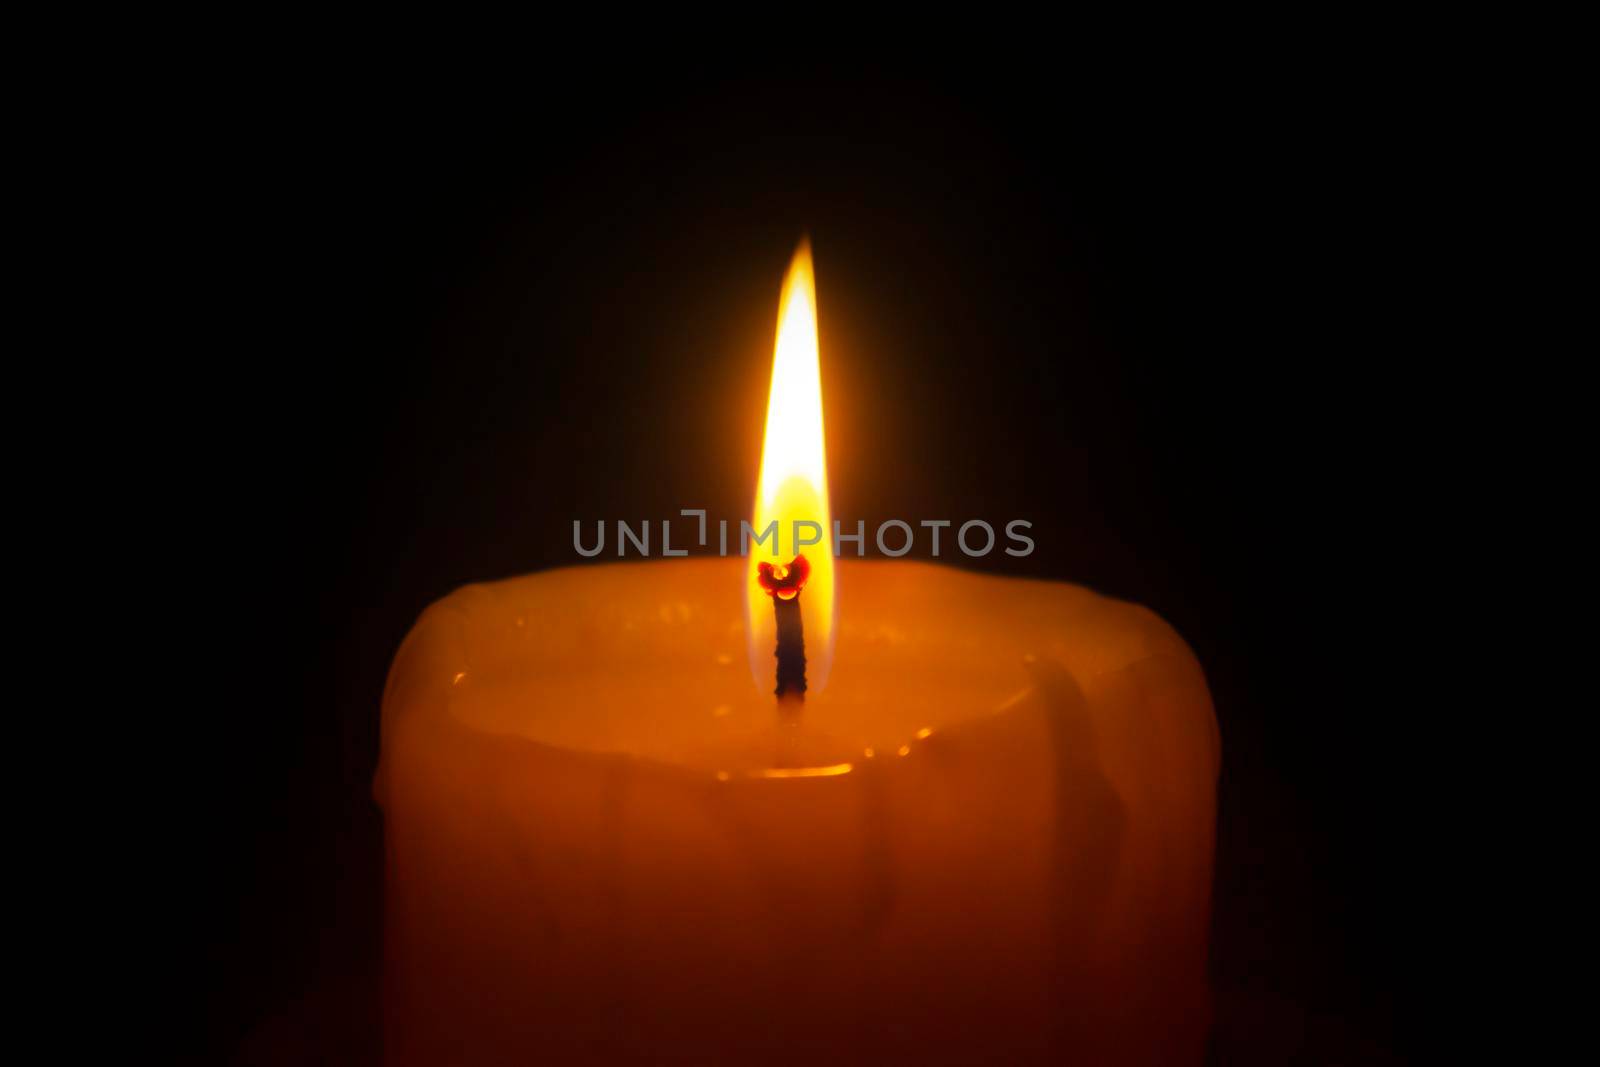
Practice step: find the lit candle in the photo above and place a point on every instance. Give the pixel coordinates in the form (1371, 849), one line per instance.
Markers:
(987, 837)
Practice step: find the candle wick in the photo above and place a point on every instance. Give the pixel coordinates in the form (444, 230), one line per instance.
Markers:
(791, 652)
(783, 583)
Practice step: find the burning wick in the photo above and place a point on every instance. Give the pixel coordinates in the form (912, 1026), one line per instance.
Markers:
(783, 583)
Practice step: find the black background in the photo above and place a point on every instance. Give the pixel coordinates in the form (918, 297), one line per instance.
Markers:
(1161, 329)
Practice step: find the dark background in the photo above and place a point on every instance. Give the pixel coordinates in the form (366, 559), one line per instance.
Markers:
(1160, 328)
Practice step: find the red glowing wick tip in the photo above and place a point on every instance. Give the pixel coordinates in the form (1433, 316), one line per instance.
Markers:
(783, 581)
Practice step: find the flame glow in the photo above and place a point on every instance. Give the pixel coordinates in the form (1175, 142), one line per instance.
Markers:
(793, 485)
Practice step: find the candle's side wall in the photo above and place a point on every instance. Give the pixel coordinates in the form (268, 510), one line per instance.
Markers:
(1030, 884)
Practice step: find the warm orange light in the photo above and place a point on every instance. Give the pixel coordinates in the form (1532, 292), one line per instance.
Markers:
(793, 484)
(807, 772)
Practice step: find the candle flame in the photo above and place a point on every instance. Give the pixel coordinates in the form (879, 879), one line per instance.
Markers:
(793, 484)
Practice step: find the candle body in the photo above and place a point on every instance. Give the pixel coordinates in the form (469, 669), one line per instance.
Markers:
(988, 840)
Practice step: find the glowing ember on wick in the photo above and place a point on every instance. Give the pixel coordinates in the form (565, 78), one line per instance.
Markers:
(783, 583)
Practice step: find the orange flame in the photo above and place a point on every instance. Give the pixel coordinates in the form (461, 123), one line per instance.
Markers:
(793, 485)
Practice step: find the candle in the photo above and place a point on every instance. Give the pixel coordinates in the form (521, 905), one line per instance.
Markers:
(986, 836)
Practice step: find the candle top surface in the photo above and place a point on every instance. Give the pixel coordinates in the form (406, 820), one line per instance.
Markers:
(648, 660)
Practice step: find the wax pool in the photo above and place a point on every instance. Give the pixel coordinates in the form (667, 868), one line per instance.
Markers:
(989, 839)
